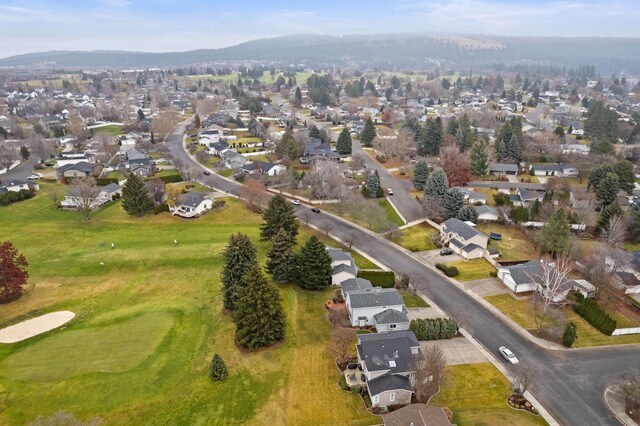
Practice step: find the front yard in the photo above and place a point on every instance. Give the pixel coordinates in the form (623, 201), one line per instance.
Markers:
(412, 300)
(417, 237)
(520, 312)
(470, 270)
(477, 394)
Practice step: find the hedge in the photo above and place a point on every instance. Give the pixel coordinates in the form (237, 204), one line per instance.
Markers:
(169, 178)
(434, 329)
(450, 271)
(385, 279)
(11, 197)
(595, 315)
(104, 181)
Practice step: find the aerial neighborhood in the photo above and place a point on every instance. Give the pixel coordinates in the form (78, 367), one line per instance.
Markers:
(297, 239)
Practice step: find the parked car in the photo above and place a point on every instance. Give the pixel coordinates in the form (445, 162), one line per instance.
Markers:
(508, 355)
(315, 210)
(389, 191)
(446, 252)
(34, 177)
(295, 202)
(206, 172)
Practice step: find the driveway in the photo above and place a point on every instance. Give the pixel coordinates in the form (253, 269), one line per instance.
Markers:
(431, 312)
(431, 257)
(457, 351)
(486, 287)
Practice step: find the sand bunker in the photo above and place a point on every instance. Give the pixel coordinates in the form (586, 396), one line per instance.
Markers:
(35, 326)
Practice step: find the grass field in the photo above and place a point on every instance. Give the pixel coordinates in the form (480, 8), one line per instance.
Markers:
(519, 311)
(148, 322)
(112, 130)
(514, 244)
(470, 270)
(392, 215)
(417, 238)
(477, 394)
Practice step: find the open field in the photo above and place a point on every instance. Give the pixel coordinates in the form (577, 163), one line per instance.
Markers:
(112, 130)
(417, 237)
(470, 270)
(148, 322)
(477, 394)
(520, 312)
(514, 244)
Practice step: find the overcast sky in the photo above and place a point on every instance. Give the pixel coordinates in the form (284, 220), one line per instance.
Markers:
(178, 25)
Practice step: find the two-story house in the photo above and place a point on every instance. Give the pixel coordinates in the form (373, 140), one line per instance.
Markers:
(463, 239)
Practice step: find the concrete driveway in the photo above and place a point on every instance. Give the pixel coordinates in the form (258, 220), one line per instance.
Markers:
(457, 351)
(486, 287)
(431, 257)
(424, 313)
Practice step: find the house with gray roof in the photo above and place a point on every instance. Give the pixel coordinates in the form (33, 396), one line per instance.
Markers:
(191, 204)
(354, 284)
(486, 213)
(81, 169)
(388, 363)
(342, 272)
(525, 197)
(364, 304)
(500, 169)
(233, 160)
(546, 169)
(391, 320)
(463, 239)
(528, 276)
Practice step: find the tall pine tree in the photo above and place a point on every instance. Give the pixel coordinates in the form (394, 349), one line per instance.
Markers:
(626, 175)
(437, 184)
(314, 265)
(278, 215)
(368, 133)
(420, 174)
(373, 185)
(135, 197)
(343, 146)
(218, 371)
(239, 256)
(607, 189)
(281, 259)
(260, 319)
(554, 235)
(453, 202)
(479, 157)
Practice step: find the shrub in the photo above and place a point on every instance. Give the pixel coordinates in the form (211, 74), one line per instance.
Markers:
(450, 271)
(218, 371)
(434, 329)
(11, 197)
(595, 315)
(502, 199)
(104, 181)
(171, 178)
(569, 335)
(160, 208)
(385, 279)
(343, 382)
(217, 204)
(493, 274)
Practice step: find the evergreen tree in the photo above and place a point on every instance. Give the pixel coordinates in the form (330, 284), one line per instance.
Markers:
(598, 173)
(436, 138)
(479, 157)
(343, 146)
(453, 202)
(607, 189)
(279, 215)
(298, 97)
(437, 184)
(519, 214)
(314, 132)
(135, 197)
(260, 319)
(465, 125)
(24, 152)
(554, 235)
(452, 126)
(608, 212)
(460, 140)
(468, 213)
(368, 133)
(239, 256)
(287, 147)
(281, 259)
(218, 371)
(420, 174)
(570, 334)
(602, 147)
(633, 226)
(602, 122)
(373, 185)
(314, 265)
(626, 175)
(514, 152)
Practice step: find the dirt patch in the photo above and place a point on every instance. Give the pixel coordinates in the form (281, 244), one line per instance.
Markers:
(35, 326)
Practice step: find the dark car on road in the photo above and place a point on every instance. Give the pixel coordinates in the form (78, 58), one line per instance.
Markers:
(315, 210)
(206, 172)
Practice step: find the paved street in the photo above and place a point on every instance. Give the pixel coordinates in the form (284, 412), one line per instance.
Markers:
(21, 172)
(570, 383)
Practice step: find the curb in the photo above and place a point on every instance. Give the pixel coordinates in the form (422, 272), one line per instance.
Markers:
(622, 417)
(393, 205)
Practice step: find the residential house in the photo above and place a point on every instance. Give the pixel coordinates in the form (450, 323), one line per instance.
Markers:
(364, 304)
(233, 160)
(81, 169)
(576, 129)
(318, 150)
(499, 169)
(463, 239)
(417, 415)
(576, 148)
(263, 167)
(217, 148)
(74, 199)
(18, 185)
(339, 257)
(342, 272)
(568, 170)
(388, 363)
(191, 204)
(546, 169)
(528, 276)
(487, 213)
(526, 198)
(354, 284)
(472, 197)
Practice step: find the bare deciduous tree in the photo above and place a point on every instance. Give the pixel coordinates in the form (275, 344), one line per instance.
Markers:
(157, 189)
(350, 238)
(550, 285)
(8, 155)
(338, 318)
(429, 372)
(163, 123)
(615, 233)
(84, 192)
(341, 344)
(305, 216)
(173, 193)
(76, 125)
(524, 377)
(254, 193)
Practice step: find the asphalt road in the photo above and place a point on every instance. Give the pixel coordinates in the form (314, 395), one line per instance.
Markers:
(21, 172)
(570, 384)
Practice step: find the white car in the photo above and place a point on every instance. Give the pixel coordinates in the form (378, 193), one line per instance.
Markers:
(508, 355)
(34, 177)
(295, 202)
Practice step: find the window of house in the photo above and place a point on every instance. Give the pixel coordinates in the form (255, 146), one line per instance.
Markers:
(376, 398)
(392, 326)
(392, 397)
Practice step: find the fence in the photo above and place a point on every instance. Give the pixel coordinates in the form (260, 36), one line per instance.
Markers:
(625, 331)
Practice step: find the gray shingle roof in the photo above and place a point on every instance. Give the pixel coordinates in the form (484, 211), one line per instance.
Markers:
(503, 167)
(344, 268)
(376, 296)
(336, 254)
(470, 247)
(192, 199)
(459, 227)
(484, 209)
(391, 316)
(376, 350)
(389, 382)
(456, 243)
(355, 284)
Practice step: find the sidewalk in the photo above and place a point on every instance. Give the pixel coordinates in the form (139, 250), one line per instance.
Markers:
(614, 398)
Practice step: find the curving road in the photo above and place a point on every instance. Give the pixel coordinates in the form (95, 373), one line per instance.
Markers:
(571, 383)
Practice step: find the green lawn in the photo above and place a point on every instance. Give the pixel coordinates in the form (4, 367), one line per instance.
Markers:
(226, 172)
(148, 322)
(470, 270)
(392, 215)
(417, 237)
(519, 311)
(412, 300)
(167, 172)
(477, 394)
(112, 130)
(514, 244)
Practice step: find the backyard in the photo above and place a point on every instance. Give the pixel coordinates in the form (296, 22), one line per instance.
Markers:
(477, 394)
(520, 312)
(514, 244)
(149, 319)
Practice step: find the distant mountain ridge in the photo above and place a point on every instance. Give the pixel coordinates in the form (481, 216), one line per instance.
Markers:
(400, 51)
